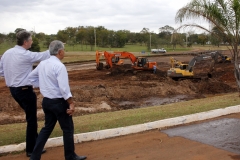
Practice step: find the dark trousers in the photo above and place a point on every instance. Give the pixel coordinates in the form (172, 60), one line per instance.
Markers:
(55, 110)
(27, 100)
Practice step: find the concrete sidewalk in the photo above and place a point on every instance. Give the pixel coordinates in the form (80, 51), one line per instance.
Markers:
(109, 133)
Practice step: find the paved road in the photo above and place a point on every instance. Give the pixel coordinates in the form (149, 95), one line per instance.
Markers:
(168, 144)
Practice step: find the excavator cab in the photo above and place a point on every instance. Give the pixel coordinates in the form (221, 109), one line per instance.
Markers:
(141, 62)
(183, 66)
(117, 61)
(144, 61)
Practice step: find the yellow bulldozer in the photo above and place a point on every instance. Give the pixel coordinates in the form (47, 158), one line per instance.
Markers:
(181, 70)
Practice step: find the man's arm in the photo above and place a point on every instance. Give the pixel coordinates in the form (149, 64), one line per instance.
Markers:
(34, 78)
(39, 56)
(71, 109)
(65, 89)
(62, 78)
(70, 100)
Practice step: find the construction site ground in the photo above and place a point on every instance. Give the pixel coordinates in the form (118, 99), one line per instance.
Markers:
(98, 91)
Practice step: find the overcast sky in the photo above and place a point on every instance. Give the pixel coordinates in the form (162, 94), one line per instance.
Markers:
(49, 16)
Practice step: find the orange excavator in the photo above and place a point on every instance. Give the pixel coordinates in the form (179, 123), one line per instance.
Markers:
(138, 63)
(114, 59)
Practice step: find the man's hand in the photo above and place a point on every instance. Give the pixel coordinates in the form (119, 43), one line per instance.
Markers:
(71, 109)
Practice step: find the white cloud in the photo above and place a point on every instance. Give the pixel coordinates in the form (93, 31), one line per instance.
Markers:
(49, 16)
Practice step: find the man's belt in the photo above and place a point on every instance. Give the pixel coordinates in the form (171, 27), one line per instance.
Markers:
(22, 87)
(54, 98)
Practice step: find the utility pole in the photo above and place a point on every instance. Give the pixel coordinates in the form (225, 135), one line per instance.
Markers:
(150, 42)
(95, 37)
(186, 40)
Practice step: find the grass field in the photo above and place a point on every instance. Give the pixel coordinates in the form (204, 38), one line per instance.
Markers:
(15, 133)
(86, 49)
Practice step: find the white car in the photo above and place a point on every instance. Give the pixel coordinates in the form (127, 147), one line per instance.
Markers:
(162, 50)
(158, 50)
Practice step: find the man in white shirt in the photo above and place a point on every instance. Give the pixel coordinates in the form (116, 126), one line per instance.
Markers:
(15, 66)
(52, 78)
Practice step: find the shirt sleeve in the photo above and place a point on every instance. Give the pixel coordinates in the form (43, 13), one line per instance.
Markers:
(63, 83)
(38, 56)
(33, 77)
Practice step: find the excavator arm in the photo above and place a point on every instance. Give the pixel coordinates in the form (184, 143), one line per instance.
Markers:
(197, 59)
(99, 65)
(109, 56)
(216, 55)
(174, 62)
(127, 55)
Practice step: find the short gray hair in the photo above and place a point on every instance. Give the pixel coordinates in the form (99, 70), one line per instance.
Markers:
(22, 36)
(55, 46)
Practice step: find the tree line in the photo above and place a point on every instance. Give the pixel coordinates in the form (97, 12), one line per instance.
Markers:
(102, 37)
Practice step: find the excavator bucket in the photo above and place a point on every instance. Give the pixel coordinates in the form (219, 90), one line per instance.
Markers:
(99, 66)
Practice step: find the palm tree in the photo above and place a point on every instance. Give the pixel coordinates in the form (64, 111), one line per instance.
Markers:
(221, 14)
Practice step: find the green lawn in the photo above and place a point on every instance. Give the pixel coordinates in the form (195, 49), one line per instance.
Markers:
(15, 133)
(130, 48)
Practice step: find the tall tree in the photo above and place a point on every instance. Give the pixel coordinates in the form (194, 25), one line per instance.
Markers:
(145, 35)
(41, 36)
(90, 36)
(118, 39)
(3, 37)
(62, 35)
(101, 36)
(177, 39)
(35, 45)
(11, 38)
(48, 40)
(222, 14)
(81, 36)
(166, 32)
(202, 38)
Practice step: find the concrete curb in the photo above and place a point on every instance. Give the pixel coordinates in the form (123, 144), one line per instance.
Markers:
(109, 133)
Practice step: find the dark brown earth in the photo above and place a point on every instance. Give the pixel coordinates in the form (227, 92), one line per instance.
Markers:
(98, 91)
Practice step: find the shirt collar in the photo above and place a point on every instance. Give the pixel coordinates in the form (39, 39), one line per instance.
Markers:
(54, 57)
(19, 47)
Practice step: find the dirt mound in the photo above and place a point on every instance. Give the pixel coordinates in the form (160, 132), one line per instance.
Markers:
(212, 86)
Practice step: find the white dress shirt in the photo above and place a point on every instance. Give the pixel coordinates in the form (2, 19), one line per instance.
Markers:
(52, 78)
(16, 64)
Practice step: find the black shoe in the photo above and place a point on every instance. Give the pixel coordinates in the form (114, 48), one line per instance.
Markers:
(79, 157)
(30, 153)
